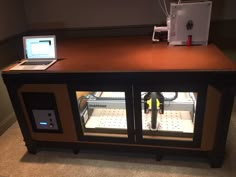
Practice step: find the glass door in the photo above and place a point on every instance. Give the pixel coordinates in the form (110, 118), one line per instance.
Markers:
(169, 115)
(104, 113)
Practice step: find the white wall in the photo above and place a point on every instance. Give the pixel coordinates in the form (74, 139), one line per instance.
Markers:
(12, 18)
(223, 9)
(6, 107)
(229, 11)
(100, 13)
(91, 13)
(12, 22)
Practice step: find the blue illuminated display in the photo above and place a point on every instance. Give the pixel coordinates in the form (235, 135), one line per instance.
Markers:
(43, 123)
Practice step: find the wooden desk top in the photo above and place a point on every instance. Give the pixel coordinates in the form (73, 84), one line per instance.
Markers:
(135, 54)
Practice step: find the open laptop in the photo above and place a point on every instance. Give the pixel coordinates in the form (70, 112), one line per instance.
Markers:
(39, 53)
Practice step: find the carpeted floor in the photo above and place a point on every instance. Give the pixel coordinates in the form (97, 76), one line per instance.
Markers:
(16, 162)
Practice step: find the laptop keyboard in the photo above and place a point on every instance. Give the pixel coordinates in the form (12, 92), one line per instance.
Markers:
(36, 63)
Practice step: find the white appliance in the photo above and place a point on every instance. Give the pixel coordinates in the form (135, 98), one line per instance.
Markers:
(189, 21)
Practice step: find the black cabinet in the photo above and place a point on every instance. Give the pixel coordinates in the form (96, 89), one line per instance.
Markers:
(129, 111)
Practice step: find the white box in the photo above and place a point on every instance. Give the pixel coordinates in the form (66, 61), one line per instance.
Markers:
(189, 19)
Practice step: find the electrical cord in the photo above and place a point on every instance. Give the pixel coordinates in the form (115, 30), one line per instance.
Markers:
(190, 1)
(164, 6)
(173, 98)
(80, 102)
(165, 98)
(164, 2)
(119, 98)
(107, 98)
(166, 13)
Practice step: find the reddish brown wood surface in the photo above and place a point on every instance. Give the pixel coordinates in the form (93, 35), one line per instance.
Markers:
(135, 54)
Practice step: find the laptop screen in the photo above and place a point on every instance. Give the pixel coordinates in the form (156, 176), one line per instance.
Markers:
(39, 47)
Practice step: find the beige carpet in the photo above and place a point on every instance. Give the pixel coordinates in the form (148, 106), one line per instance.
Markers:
(16, 162)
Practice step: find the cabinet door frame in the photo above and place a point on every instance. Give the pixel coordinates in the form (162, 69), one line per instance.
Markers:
(103, 86)
(201, 89)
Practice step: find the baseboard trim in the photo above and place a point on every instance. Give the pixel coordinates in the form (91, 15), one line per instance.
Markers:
(7, 122)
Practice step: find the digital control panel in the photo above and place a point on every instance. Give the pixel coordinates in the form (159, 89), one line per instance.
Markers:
(45, 119)
(42, 112)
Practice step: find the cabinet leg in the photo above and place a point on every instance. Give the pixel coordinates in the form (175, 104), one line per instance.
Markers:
(216, 162)
(32, 148)
(159, 157)
(76, 150)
